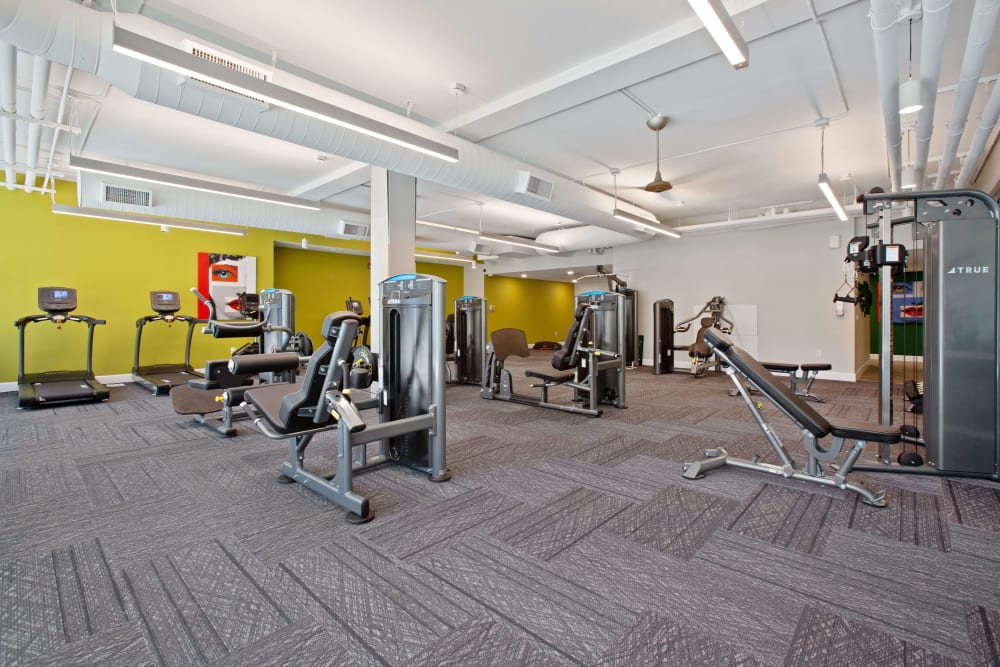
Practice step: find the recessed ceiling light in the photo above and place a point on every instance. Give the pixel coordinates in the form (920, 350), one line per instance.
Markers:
(569, 273)
(524, 275)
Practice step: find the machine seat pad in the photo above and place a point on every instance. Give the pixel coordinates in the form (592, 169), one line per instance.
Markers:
(754, 371)
(778, 367)
(816, 367)
(191, 401)
(509, 342)
(866, 432)
(699, 350)
(564, 376)
(267, 399)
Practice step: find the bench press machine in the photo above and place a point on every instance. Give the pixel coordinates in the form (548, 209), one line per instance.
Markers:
(746, 372)
(591, 361)
(410, 403)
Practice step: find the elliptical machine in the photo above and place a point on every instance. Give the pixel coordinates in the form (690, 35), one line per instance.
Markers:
(57, 387)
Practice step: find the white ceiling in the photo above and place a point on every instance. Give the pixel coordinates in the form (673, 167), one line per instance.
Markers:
(561, 84)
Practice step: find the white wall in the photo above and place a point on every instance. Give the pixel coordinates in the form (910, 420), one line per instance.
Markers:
(790, 273)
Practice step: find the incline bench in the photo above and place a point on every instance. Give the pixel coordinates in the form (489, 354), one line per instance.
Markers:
(814, 427)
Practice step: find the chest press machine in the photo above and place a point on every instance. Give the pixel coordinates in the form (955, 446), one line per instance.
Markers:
(591, 361)
(410, 404)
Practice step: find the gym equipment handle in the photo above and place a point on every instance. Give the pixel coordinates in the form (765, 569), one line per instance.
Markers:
(262, 363)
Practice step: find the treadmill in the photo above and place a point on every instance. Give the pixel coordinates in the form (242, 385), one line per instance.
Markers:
(57, 387)
(161, 378)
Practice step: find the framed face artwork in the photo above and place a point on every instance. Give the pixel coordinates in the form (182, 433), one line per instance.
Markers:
(223, 278)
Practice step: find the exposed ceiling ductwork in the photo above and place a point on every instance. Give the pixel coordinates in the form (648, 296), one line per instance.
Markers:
(77, 36)
(984, 20)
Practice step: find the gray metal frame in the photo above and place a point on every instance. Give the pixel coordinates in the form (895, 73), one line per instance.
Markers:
(817, 455)
(961, 331)
(420, 299)
(470, 319)
(600, 358)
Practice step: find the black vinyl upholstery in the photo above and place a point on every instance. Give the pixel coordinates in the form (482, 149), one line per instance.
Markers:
(284, 410)
(799, 410)
(565, 359)
(778, 367)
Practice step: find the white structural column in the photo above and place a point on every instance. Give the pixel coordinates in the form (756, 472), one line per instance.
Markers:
(393, 235)
(474, 281)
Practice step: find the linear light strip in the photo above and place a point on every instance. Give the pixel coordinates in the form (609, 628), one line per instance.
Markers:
(149, 176)
(647, 224)
(159, 54)
(450, 227)
(824, 185)
(115, 216)
(722, 29)
(445, 258)
(524, 243)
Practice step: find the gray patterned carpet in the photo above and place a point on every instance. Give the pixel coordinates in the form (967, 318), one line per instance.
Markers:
(132, 536)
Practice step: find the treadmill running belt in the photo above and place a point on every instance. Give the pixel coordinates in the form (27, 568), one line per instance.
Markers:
(62, 390)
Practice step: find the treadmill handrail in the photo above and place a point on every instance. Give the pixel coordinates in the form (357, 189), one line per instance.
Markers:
(192, 323)
(23, 323)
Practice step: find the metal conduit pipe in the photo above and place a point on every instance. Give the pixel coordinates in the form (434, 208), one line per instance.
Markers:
(73, 35)
(983, 130)
(8, 104)
(984, 20)
(55, 133)
(935, 25)
(39, 88)
(883, 18)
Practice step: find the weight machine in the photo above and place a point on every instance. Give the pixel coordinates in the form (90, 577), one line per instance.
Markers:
(590, 362)
(960, 240)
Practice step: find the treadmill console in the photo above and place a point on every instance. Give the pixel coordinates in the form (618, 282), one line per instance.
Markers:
(165, 302)
(57, 300)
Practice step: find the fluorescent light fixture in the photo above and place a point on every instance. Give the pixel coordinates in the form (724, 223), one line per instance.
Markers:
(115, 216)
(451, 227)
(824, 185)
(159, 54)
(722, 29)
(446, 258)
(647, 224)
(149, 176)
(524, 243)
(909, 97)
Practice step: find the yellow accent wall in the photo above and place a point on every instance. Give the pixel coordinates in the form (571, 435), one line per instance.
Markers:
(543, 308)
(114, 265)
(323, 281)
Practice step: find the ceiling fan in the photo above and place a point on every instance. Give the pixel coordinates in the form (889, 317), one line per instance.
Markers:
(656, 123)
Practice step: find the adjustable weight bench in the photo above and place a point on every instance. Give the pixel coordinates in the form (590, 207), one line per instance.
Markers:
(801, 384)
(740, 365)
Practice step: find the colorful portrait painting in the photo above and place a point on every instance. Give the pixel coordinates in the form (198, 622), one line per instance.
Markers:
(222, 278)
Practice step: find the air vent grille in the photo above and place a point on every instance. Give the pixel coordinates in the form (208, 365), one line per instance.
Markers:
(118, 194)
(352, 230)
(235, 65)
(533, 186)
